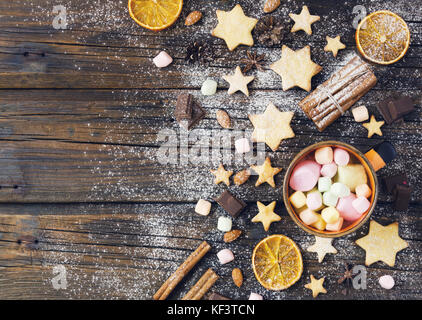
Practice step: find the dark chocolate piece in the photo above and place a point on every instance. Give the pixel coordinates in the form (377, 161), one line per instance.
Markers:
(183, 107)
(393, 110)
(384, 110)
(392, 181)
(386, 151)
(404, 105)
(188, 112)
(231, 204)
(216, 296)
(402, 194)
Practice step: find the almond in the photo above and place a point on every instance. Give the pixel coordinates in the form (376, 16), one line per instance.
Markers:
(193, 18)
(271, 5)
(223, 119)
(241, 177)
(232, 235)
(237, 277)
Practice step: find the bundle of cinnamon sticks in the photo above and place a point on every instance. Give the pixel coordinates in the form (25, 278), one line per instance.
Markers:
(336, 95)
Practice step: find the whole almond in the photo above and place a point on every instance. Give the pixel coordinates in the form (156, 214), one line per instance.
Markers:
(223, 119)
(237, 277)
(271, 5)
(193, 18)
(241, 177)
(232, 235)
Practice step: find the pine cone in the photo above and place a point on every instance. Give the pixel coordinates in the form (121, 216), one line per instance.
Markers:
(269, 31)
(199, 52)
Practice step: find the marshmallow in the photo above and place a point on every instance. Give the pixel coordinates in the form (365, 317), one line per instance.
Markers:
(242, 145)
(314, 200)
(298, 199)
(363, 190)
(361, 204)
(387, 282)
(162, 59)
(324, 155)
(360, 114)
(324, 184)
(309, 217)
(305, 175)
(225, 256)
(209, 87)
(341, 157)
(330, 215)
(329, 170)
(352, 175)
(329, 199)
(340, 190)
(255, 296)
(203, 207)
(224, 224)
(320, 224)
(346, 209)
(336, 226)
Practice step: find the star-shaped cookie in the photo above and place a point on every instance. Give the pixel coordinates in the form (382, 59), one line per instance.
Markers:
(303, 20)
(221, 175)
(234, 27)
(266, 215)
(266, 173)
(272, 126)
(382, 243)
(373, 127)
(334, 45)
(316, 286)
(322, 246)
(238, 82)
(296, 68)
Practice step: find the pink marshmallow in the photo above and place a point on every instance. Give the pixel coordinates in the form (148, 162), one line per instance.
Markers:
(361, 204)
(255, 296)
(329, 170)
(314, 200)
(162, 59)
(225, 256)
(242, 145)
(336, 226)
(341, 157)
(387, 282)
(305, 175)
(346, 209)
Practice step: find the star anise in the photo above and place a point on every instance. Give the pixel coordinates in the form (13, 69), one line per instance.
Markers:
(199, 52)
(269, 31)
(346, 278)
(253, 60)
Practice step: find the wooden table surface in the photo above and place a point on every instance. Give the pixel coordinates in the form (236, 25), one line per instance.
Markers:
(81, 186)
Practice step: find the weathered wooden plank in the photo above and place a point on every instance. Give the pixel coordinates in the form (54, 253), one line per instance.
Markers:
(131, 249)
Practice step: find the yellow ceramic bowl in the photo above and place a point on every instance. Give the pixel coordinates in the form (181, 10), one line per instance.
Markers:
(372, 179)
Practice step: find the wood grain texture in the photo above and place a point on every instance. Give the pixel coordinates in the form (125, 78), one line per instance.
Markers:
(81, 113)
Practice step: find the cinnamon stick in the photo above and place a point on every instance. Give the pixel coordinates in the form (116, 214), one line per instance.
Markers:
(346, 87)
(202, 286)
(181, 271)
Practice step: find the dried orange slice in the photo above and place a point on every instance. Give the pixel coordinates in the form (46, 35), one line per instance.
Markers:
(155, 14)
(277, 262)
(383, 37)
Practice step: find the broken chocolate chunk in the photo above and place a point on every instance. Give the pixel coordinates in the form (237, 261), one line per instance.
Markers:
(188, 112)
(392, 181)
(402, 195)
(231, 204)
